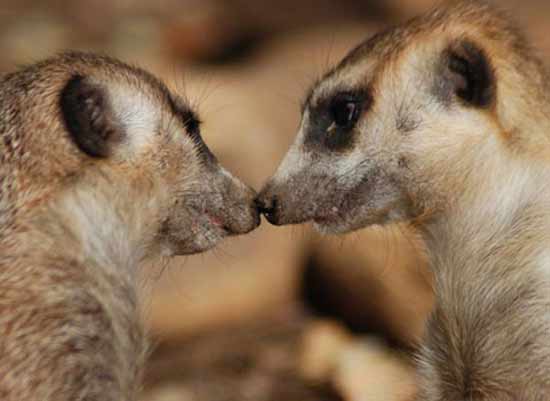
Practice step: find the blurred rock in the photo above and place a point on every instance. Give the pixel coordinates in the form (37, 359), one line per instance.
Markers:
(322, 345)
(359, 369)
(369, 371)
(253, 361)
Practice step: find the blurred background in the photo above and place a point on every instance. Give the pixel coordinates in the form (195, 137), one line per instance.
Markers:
(280, 314)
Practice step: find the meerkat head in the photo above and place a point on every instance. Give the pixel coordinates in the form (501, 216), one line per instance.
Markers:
(115, 147)
(398, 126)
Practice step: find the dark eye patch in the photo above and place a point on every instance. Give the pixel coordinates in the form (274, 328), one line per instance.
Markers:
(333, 121)
(191, 123)
(190, 120)
(345, 110)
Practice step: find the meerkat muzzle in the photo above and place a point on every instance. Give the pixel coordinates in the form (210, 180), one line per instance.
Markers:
(270, 205)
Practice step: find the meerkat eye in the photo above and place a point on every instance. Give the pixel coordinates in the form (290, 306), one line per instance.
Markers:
(333, 119)
(345, 110)
(192, 124)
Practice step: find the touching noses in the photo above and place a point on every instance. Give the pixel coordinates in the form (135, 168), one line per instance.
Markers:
(254, 210)
(251, 214)
(268, 204)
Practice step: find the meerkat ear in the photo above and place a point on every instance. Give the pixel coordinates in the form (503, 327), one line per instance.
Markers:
(470, 74)
(89, 118)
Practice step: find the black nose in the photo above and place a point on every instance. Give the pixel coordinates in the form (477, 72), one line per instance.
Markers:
(268, 206)
(257, 214)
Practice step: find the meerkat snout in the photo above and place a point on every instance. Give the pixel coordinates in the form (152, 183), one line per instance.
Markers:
(268, 205)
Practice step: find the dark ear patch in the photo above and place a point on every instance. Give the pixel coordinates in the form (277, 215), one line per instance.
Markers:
(88, 117)
(470, 74)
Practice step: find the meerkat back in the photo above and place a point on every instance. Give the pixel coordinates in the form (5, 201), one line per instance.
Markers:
(101, 167)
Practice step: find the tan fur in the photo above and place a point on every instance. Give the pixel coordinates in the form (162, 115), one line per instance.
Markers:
(74, 229)
(473, 179)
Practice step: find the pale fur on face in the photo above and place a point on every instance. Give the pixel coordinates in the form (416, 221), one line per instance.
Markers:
(410, 130)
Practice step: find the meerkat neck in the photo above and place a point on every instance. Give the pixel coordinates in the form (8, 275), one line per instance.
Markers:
(94, 227)
(81, 251)
(491, 263)
(499, 223)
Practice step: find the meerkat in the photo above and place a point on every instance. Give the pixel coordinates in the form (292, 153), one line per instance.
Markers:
(101, 168)
(444, 122)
